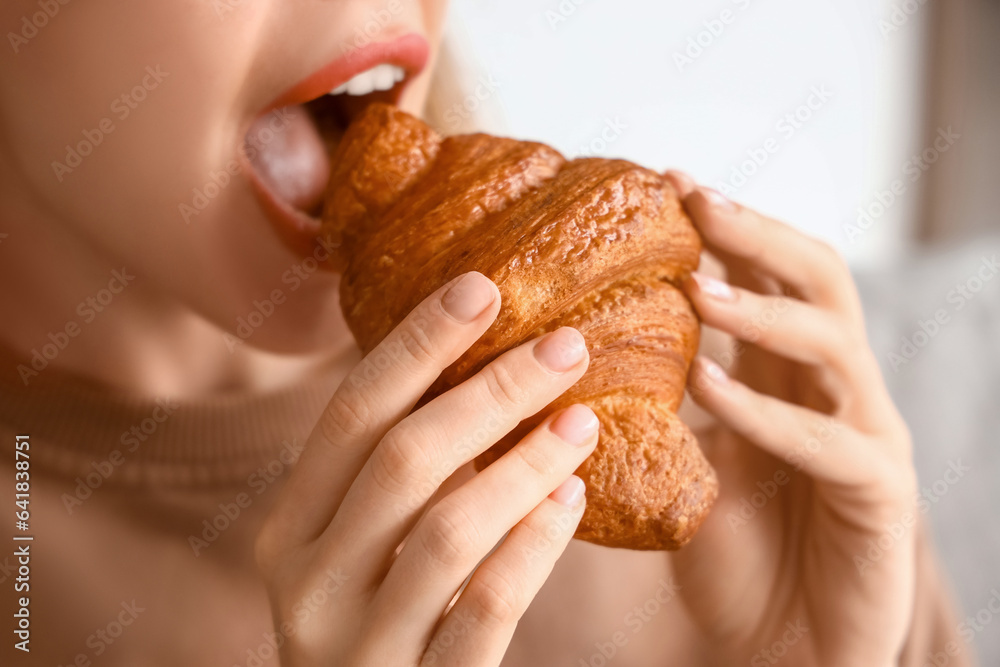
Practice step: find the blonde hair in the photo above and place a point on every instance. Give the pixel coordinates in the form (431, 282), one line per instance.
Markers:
(448, 95)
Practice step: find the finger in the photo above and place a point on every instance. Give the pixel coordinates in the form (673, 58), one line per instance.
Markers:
(479, 626)
(846, 370)
(682, 182)
(461, 529)
(376, 394)
(738, 272)
(820, 446)
(423, 450)
(812, 268)
(788, 327)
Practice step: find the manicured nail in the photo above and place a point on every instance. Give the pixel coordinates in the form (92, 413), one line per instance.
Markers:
(716, 198)
(712, 287)
(561, 349)
(576, 425)
(469, 297)
(714, 372)
(570, 492)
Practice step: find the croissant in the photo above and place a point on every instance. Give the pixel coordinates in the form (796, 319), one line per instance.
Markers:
(595, 244)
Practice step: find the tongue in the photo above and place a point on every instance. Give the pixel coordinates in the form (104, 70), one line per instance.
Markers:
(290, 157)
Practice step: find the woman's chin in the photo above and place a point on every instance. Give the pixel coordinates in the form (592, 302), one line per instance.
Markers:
(300, 323)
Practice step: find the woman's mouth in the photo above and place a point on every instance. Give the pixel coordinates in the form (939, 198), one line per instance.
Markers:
(289, 146)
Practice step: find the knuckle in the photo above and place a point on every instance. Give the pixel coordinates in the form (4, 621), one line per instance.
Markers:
(449, 535)
(397, 462)
(845, 347)
(417, 343)
(538, 460)
(345, 417)
(495, 601)
(502, 386)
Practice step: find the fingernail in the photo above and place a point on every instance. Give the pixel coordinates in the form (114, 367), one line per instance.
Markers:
(712, 287)
(714, 372)
(684, 180)
(570, 492)
(561, 349)
(716, 198)
(468, 298)
(576, 425)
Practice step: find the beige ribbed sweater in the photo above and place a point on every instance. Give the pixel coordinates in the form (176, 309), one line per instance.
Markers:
(143, 514)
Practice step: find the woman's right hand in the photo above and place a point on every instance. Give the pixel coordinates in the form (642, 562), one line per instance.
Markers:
(340, 593)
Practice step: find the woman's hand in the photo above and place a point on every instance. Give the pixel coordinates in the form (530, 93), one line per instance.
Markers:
(808, 555)
(341, 591)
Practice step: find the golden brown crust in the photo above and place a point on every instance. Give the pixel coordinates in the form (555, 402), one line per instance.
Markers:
(595, 244)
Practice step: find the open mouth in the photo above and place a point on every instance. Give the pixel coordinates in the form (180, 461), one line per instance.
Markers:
(288, 148)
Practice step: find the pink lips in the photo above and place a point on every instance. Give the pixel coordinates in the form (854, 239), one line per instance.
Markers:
(409, 52)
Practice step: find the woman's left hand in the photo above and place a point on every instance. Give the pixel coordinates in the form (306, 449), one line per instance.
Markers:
(808, 554)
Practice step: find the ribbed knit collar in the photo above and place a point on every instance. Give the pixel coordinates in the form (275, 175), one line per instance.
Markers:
(78, 427)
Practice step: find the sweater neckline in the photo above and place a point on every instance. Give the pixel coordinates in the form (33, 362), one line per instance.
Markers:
(79, 428)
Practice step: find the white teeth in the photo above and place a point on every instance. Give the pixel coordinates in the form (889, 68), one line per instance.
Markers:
(380, 77)
(384, 77)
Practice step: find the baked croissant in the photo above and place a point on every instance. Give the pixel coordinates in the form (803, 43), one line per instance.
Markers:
(595, 244)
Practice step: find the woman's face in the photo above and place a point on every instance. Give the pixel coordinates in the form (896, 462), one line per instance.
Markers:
(147, 131)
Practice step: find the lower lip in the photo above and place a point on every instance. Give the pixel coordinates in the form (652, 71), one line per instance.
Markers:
(298, 230)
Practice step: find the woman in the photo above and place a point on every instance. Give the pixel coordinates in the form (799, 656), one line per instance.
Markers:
(172, 351)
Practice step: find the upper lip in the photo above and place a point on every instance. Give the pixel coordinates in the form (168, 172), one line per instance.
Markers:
(409, 52)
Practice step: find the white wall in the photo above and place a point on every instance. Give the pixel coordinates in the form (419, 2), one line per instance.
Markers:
(566, 68)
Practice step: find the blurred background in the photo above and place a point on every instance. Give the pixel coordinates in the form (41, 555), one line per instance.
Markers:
(873, 124)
